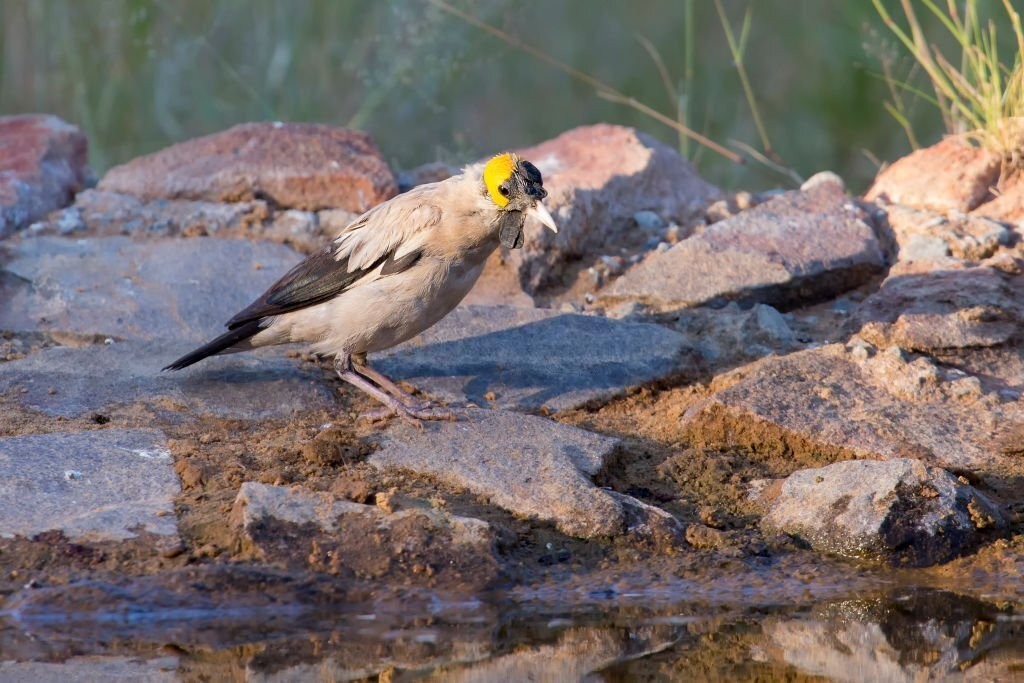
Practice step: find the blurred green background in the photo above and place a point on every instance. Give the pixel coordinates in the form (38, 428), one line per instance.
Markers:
(138, 75)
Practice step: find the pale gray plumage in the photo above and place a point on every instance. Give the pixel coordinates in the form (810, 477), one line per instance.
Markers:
(392, 273)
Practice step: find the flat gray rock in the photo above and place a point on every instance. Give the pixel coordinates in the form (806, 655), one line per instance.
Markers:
(531, 466)
(112, 286)
(902, 511)
(254, 385)
(799, 247)
(532, 358)
(102, 485)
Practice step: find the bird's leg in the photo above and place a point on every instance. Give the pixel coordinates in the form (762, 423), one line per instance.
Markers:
(343, 366)
(360, 365)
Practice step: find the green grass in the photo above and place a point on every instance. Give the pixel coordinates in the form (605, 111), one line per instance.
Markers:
(980, 94)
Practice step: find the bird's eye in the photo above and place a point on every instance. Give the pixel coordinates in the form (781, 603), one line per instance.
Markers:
(503, 190)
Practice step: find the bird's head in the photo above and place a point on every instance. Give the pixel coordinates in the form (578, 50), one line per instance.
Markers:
(514, 184)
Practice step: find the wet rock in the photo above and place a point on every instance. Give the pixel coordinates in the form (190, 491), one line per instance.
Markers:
(175, 289)
(301, 528)
(86, 668)
(292, 165)
(949, 176)
(901, 511)
(919, 235)
(43, 163)
(103, 485)
(531, 466)
(937, 305)
(831, 403)
(598, 177)
(75, 382)
(795, 248)
(531, 358)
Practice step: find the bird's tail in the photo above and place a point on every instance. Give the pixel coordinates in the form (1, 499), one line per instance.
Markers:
(218, 345)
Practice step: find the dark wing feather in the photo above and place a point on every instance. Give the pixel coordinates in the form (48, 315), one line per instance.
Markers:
(313, 281)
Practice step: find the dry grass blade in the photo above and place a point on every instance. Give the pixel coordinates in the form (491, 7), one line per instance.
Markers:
(603, 89)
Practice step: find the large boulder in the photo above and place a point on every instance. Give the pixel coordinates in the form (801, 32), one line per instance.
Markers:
(292, 165)
(44, 161)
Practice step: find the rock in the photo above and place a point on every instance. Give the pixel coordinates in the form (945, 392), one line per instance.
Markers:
(531, 358)
(87, 668)
(44, 161)
(97, 213)
(920, 235)
(1008, 202)
(530, 466)
(182, 290)
(796, 248)
(74, 382)
(829, 403)
(300, 528)
(932, 306)
(949, 176)
(598, 177)
(292, 165)
(901, 512)
(728, 336)
(103, 485)
(432, 172)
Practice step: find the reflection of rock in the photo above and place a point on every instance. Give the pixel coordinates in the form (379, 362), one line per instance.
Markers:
(93, 486)
(531, 358)
(899, 511)
(926, 635)
(578, 653)
(301, 528)
(43, 163)
(293, 165)
(88, 668)
(798, 247)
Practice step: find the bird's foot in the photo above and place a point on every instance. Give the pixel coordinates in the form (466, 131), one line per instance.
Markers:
(414, 415)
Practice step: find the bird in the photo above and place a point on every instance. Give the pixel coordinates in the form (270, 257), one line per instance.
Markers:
(390, 274)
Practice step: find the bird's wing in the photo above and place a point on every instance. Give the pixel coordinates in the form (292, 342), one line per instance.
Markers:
(390, 237)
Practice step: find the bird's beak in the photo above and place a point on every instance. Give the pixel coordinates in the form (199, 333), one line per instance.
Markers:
(543, 215)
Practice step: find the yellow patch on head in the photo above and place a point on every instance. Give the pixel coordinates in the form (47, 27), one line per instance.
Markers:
(498, 170)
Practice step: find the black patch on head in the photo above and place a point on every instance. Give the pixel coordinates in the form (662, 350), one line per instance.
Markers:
(533, 183)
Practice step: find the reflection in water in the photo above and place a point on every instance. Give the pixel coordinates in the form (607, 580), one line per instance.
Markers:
(906, 636)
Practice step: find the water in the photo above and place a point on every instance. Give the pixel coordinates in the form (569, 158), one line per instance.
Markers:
(897, 635)
(138, 75)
